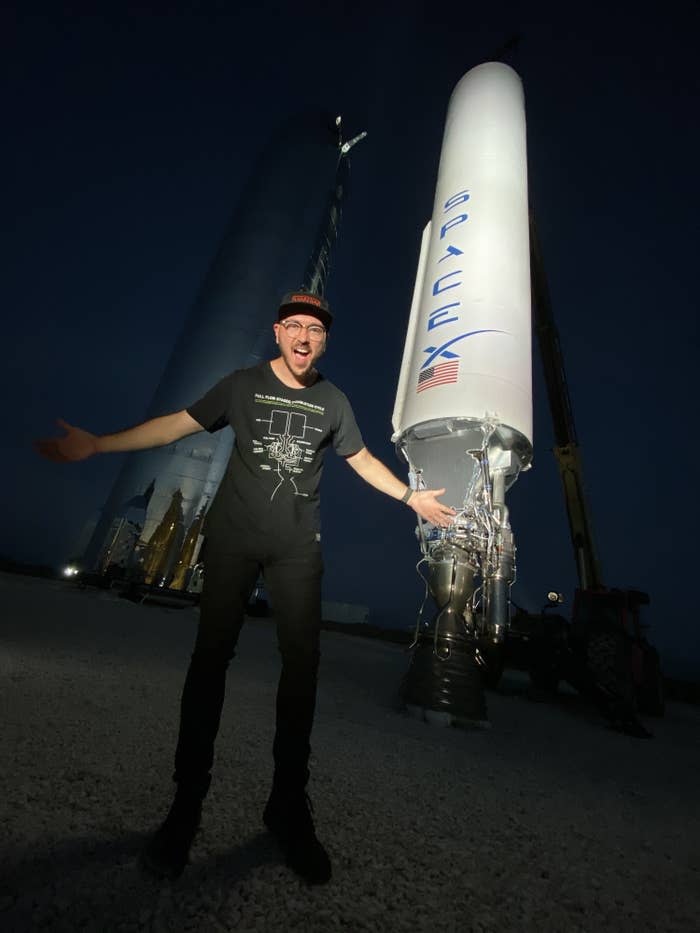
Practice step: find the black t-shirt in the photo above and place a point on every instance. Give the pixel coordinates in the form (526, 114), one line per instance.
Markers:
(272, 479)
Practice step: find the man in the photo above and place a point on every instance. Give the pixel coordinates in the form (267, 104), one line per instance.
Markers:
(265, 516)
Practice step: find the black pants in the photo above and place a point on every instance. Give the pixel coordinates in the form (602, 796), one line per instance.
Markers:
(293, 580)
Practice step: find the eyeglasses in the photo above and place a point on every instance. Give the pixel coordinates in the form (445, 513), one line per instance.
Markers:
(294, 328)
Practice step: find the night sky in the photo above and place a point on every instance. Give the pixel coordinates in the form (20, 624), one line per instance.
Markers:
(128, 136)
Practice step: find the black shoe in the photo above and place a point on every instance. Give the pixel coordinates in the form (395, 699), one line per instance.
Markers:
(167, 852)
(288, 817)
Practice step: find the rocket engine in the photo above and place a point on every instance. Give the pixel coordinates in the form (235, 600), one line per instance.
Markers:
(463, 413)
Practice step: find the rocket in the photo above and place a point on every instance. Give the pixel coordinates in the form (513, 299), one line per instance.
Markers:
(463, 413)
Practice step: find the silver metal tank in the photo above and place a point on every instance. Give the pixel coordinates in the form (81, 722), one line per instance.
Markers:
(267, 249)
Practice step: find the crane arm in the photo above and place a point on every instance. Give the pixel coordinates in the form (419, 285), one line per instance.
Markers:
(566, 447)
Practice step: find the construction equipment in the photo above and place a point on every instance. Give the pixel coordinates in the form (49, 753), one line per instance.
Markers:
(603, 651)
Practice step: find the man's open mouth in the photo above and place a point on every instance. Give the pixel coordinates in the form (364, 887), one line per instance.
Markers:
(300, 353)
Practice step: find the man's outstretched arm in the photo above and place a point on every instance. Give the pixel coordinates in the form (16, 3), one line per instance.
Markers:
(424, 502)
(77, 444)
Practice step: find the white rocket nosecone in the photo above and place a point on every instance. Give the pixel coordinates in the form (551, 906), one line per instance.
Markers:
(467, 357)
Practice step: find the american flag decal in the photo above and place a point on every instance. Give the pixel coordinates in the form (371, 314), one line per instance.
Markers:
(438, 375)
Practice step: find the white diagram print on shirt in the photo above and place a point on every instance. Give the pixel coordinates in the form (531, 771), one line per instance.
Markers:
(287, 446)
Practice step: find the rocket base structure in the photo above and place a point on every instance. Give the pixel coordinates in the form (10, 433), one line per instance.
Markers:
(280, 237)
(463, 413)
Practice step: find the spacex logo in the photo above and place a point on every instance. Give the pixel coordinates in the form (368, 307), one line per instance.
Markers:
(434, 352)
(441, 365)
(435, 374)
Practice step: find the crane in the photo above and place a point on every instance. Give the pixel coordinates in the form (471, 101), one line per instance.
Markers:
(603, 650)
(566, 448)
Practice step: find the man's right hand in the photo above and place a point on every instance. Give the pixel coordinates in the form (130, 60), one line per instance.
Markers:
(79, 445)
(75, 445)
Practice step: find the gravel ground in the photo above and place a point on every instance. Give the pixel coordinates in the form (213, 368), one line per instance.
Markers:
(547, 822)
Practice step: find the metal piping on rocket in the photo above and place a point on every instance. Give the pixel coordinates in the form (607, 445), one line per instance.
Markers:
(502, 578)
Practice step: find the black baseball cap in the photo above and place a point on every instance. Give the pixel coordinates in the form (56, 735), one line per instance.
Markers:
(303, 302)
